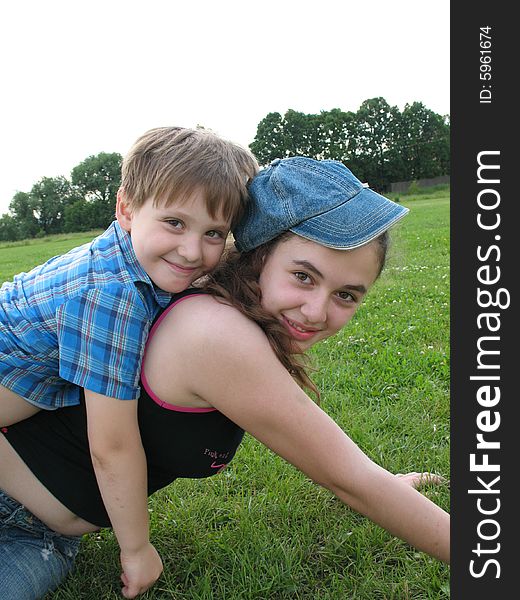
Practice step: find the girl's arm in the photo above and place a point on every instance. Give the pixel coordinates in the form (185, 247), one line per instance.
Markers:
(120, 465)
(226, 360)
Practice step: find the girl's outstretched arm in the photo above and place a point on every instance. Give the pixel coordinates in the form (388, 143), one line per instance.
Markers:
(225, 359)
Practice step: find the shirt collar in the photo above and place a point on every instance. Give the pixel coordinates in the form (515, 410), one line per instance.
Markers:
(134, 268)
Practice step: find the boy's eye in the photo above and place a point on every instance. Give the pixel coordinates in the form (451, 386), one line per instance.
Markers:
(216, 234)
(175, 223)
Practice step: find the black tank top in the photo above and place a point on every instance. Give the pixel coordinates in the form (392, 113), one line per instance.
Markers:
(178, 442)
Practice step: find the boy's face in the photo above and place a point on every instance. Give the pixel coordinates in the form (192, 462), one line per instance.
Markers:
(174, 244)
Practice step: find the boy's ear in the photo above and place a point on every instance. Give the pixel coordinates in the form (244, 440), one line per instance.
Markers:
(124, 212)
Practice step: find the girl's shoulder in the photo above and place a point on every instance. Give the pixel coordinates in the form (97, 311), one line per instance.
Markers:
(208, 319)
(201, 306)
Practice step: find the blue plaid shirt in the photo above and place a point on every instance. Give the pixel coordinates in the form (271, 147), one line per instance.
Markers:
(79, 320)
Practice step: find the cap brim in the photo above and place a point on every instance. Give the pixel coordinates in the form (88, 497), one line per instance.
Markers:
(358, 220)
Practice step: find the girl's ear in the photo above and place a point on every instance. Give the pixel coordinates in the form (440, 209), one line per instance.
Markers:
(124, 213)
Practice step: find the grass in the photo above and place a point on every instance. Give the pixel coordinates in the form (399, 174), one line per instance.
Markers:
(262, 530)
(16, 257)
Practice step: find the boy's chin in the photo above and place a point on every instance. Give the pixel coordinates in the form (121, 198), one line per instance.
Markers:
(175, 286)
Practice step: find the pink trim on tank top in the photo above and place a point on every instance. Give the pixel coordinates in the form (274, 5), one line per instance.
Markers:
(146, 385)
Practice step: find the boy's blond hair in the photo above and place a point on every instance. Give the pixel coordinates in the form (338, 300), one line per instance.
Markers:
(169, 163)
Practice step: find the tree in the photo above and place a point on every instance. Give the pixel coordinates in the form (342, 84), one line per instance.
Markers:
(269, 142)
(50, 196)
(9, 229)
(378, 142)
(22, 208)
(97, 179)
(371, 134)
(301, 134)
(424, 142)
(80, 216)
(335, 134)
(294, 134)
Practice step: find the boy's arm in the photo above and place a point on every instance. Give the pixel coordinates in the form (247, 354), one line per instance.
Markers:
(120, 466)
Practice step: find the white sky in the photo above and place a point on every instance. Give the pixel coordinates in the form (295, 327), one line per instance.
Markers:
(81, 77)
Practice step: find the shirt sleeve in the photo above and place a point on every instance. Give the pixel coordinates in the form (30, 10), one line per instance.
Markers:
(101, 338)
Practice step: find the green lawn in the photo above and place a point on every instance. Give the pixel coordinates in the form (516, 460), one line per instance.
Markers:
(16, 257)
(262, 530)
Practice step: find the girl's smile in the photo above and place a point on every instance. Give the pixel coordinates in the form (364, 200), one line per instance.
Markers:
(298, 331)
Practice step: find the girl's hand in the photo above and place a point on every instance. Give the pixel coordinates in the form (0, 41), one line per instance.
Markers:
(417, 480)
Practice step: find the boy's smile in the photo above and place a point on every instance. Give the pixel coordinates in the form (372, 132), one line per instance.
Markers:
(175, 244)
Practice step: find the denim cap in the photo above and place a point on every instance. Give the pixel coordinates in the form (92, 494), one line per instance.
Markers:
(320, 200)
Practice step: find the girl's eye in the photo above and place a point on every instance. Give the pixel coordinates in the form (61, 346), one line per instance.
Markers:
(346, 297)
(303, 277)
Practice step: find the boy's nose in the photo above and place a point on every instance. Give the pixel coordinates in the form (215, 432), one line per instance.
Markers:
(190, 249)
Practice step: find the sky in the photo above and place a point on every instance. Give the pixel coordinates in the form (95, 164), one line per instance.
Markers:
(82, 77)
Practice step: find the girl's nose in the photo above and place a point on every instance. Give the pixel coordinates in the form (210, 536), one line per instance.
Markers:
(315, 309)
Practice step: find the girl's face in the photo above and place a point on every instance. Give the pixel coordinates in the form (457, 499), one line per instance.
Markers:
(313, 290)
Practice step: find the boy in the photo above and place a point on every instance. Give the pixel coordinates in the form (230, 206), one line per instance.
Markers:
(81, 319)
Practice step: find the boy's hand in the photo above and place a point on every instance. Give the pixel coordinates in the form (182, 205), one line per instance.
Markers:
(140, 570)
(119, 462)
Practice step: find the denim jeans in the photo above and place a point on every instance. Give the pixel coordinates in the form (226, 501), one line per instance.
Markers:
(33, 558)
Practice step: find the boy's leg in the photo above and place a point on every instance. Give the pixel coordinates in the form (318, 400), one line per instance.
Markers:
(34, 559)
(14, 408)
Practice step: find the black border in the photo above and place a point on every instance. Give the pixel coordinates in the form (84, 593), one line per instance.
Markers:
(478, 127)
